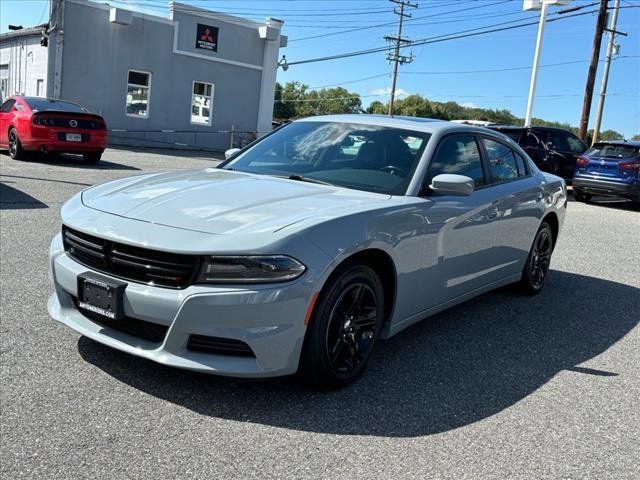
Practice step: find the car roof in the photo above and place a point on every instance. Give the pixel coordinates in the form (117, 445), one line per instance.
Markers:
(418, 124)
(520, 127)
(632, 143)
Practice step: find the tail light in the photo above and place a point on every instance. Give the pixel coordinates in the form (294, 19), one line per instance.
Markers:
(582, 161)
(42, 121)
(632, 166)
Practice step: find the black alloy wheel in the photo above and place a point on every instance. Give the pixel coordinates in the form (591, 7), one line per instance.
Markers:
(537, 266)
(16, 152)
(345, 328)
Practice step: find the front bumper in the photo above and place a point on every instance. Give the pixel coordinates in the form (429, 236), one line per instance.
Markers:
(604, 187)
(268, 318)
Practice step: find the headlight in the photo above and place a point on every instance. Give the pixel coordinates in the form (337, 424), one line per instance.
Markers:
(250, 269)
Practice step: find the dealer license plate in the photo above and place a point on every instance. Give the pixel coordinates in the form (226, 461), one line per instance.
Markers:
(101, 295)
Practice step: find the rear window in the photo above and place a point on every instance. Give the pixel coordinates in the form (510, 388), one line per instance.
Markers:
(601, 150)
(43, 104)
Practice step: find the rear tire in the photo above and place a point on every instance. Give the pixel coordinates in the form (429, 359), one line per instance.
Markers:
(580, 196)
(92, 158)
(536, 267)
(345, 327)
(16, 152)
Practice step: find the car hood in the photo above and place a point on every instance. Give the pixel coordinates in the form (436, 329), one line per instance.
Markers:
(220, 201)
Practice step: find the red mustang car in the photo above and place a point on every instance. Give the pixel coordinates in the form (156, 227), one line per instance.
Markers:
(29, 124)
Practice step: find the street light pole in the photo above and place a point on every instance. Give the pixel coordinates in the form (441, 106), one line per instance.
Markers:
(605, 75)
(536, 62)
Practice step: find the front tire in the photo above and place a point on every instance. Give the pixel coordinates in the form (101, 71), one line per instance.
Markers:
(16, 152)
(345, 328)
(92, 157)
(536, 267)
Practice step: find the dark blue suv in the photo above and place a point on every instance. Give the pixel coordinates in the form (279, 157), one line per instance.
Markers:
(608, 168)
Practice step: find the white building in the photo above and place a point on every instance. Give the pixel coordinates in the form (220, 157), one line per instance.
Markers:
(23, 63)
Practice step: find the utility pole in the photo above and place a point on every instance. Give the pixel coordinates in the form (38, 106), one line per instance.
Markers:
(605, 75)
(593, 66)
(396, 58)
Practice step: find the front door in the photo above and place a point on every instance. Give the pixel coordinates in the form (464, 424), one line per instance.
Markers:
(461, 230)
(4, 120)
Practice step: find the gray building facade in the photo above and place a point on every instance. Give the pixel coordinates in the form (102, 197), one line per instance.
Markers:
(185, 80)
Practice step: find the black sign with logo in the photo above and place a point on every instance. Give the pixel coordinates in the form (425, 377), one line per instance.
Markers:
(207, 37)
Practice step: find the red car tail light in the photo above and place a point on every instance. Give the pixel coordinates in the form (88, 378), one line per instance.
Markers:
(582, 161)
(632, 166)
(38, 120)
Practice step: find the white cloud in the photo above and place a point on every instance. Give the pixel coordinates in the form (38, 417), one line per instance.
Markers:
(469, 105)
(386, 91)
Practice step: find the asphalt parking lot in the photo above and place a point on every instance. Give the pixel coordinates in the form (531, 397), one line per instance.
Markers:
(500, 387)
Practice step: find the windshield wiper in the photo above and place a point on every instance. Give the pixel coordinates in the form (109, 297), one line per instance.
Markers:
(300, 178)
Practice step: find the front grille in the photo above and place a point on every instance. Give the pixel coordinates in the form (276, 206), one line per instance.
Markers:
(135, 327)
(219, 346)
(151, 267)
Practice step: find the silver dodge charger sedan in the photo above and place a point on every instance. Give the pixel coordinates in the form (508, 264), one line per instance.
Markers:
(301, 251)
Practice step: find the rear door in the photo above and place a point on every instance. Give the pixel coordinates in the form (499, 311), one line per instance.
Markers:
(519, 195)
(565, 148)
(461, 230)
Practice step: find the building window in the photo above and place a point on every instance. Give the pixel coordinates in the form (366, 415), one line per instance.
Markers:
(4, 80)
(138, 93)
(201, 103)
(40, 88)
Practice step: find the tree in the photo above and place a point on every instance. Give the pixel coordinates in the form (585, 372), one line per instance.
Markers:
(293, 100)
(610, 135)
(636, 137)
(377, 107)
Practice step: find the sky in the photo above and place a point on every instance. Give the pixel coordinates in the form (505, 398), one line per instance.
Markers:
(489, 71)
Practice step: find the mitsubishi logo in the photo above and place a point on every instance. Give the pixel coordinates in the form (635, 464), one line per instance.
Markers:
(73, 123)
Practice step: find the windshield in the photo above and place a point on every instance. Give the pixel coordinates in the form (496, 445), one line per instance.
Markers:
(363, 157)
(608, 150)
(43, 104)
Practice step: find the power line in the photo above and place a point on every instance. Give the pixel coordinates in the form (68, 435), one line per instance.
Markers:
(386, 24)
(462, 72)
(437, 39)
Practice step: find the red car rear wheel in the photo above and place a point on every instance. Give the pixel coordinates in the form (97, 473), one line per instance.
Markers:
(16, 151)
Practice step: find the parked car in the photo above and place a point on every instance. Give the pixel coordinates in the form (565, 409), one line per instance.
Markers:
(553, 150)
(300, 251)
(609, 168)
(31, 124)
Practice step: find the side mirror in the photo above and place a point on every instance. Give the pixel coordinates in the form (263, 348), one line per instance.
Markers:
(451, 184)
(230, 153)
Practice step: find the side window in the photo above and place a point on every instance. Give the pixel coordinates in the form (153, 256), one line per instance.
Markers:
(459, 155)
(138, 89)
(6, 106)
(523, 167)
(566, 142)
(502, 161)
(530, 140)
(575, 144)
